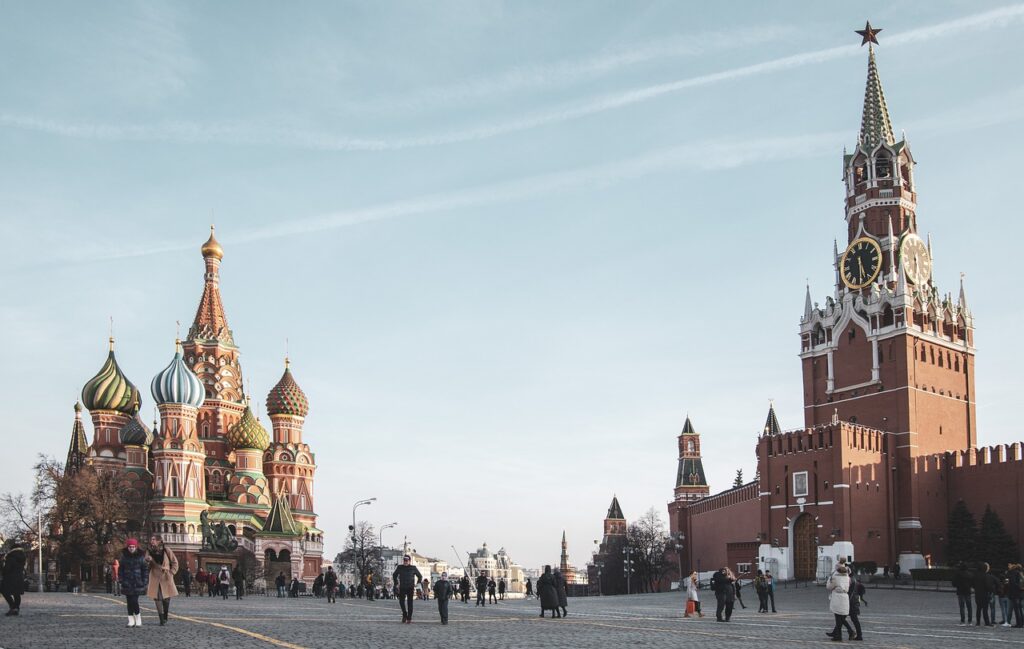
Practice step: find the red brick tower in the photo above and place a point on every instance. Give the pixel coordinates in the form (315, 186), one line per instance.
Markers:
(888, 351)
(211, 353)
(691, 484)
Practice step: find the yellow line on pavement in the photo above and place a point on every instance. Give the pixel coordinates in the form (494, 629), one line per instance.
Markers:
(246, 632)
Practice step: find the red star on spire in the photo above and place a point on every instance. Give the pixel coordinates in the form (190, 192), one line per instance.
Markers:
(868, 34)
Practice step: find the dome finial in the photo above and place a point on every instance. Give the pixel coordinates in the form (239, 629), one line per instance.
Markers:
(212, 247)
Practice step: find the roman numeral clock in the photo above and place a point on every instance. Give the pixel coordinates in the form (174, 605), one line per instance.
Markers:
(861, 262)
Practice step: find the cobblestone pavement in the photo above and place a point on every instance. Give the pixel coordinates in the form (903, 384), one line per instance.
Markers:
(892, 619)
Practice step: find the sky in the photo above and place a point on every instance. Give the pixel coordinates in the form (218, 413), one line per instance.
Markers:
(510, 245)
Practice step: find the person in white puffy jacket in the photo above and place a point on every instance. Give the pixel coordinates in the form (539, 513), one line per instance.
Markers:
(839, 602)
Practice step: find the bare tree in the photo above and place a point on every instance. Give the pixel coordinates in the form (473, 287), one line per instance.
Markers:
(649, 541)
(361, 555)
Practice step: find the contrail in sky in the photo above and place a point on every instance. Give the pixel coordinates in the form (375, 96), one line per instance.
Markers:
(253, 133)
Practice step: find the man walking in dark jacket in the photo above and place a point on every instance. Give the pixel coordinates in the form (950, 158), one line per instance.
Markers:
(725, 594)
(443, 592)
(405, 577)
(962, 583)
(464, 589)
(481, 589)
(331, 584)
(1014, 590)
(238, 576)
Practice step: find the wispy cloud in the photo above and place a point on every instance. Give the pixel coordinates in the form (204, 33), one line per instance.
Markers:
(290, 135)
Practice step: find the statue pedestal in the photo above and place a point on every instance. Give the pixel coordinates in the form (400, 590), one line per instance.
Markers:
(214, 560)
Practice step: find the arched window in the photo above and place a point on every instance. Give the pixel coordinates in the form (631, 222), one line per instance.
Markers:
(883, 165)
(888, 317)
(690, 446)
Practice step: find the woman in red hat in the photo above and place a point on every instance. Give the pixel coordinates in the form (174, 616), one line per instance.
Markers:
(134, 578)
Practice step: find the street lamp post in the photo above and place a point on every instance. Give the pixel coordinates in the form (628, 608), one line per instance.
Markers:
(629, 569)
(680, 537)
(380, 542)
(39, 538)
(362, 550)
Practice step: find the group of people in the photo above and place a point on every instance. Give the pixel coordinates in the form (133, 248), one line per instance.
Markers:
(147, 572)
(552, 594)
(846, 594)
(988, 587)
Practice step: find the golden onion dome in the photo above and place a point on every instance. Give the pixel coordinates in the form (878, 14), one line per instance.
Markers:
(248, 433)
(212, 248)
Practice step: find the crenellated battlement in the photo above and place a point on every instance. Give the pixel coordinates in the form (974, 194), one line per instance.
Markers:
(824, 437)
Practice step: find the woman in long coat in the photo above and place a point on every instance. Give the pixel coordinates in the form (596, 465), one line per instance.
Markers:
(839, 602)
(547, 593)
(563, 599)
(14, 579)
(163, 565)
(134, 578)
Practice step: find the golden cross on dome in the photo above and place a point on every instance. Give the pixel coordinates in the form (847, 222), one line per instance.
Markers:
(868, 34)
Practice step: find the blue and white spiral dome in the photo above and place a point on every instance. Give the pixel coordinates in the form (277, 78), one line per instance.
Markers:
(176, 383)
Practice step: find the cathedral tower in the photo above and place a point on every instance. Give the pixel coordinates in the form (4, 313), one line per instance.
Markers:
(179, 490)
(112, 400)
(290, 465)
(78, 451)
(211, 353)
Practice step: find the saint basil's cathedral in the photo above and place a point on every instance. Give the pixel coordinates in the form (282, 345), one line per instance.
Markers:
(214, 478)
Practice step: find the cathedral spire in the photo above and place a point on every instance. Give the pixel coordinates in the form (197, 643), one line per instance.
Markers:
(211, 324)
(771, 424)
(875, 125)
(808, 305)
(79, 449)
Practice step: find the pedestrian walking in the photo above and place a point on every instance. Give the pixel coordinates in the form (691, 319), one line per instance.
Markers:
(563, 599)
(771, 588)
(529, 588)
(14, 579)
(202, 581)
(443, 593)
(186, 581)
(293, 590)
(162, 567)
(501, 588)
(856, 594)
(405, 578)
(114, 568)
(134, 579)
(1004, 598)
(962, 582)
(464, 589)
(331, 584)
(481, 589)
(223, 582)
(425, 587)
(693, 595)
(739, 598)
(547, 593)
(238, 577)
(839, 602)
(491, 590)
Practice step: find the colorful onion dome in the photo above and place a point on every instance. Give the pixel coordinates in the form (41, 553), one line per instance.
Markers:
(287, 398)
(110, 389)
(248, 433)
(177, 383)
(212, 248)
(136, 433)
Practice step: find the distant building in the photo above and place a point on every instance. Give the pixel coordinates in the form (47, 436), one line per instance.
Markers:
(499, 566)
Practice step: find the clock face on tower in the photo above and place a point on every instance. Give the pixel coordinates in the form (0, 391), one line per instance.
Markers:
(914, 257)
(861, 262)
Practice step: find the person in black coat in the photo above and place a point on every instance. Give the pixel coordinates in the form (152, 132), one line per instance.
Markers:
(985, 585)
(405, 578)
(133, 576)
(443, 593)
(238, 576)
(962, 582)
(563, 599)
(186, 581)
(464, 589)
(547, 593)
(14, 579)
(331, 584)
(481, 589)
(725, 594)
(1014, 591)
(856, 591)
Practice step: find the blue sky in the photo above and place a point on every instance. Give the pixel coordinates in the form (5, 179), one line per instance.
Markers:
(511, 244)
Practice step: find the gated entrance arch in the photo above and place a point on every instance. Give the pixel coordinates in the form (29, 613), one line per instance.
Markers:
(805, 548)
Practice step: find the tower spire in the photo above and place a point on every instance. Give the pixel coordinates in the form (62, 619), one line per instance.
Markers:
(211, 324)
(875, 125)
(79, 448)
